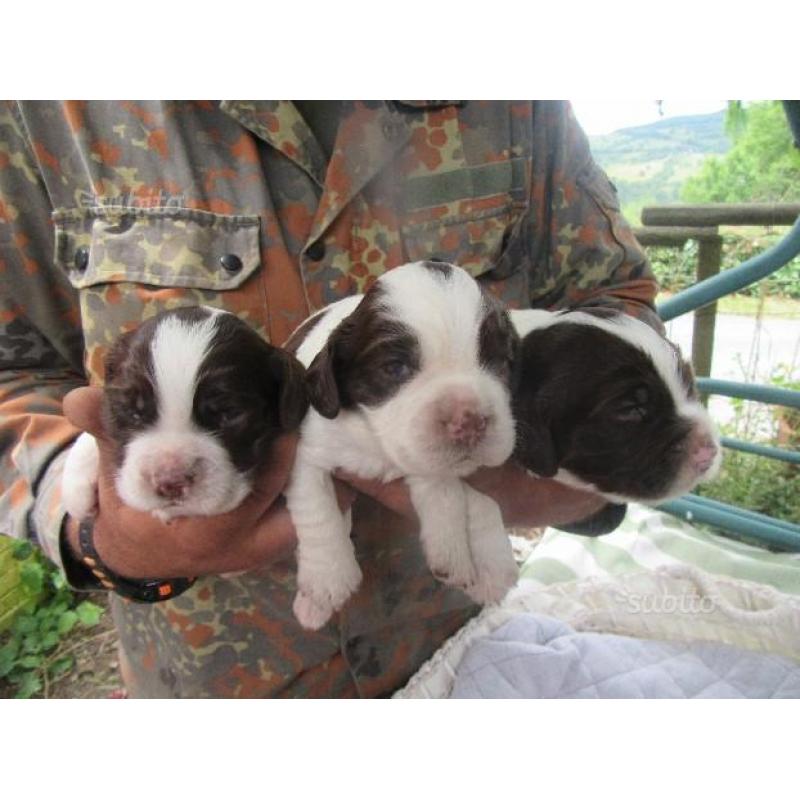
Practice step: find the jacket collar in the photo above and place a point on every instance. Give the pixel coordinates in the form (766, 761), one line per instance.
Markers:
(370, 134)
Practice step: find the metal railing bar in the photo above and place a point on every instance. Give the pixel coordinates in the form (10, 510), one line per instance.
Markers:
(776, 453)
(735, 522)
(707, 502)
(749, 391)
(751, 271)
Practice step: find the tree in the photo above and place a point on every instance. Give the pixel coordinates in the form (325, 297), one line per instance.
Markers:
(762, 166)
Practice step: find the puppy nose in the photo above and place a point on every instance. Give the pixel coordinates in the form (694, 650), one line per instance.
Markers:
(172, 477)
(173, 488)
(703, 454)
(463, 424)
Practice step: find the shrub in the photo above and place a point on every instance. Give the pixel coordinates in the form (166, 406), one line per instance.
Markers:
(34, 651)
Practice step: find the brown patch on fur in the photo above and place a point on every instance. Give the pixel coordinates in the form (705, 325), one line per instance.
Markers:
(366, 359)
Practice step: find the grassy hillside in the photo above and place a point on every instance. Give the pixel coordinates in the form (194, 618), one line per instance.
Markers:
(649, 163)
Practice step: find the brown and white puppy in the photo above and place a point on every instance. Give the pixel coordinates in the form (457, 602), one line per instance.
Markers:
(603, 402)
(193, 400)
(410, 379)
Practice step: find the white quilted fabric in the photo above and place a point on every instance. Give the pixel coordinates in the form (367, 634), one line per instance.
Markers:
(534, 656)
(678, 604)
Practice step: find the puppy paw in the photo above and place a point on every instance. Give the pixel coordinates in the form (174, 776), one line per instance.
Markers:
(496, 570)
(322, 593)
(80, 498)
(451, 565)
(494, 579)
(311, 613)
(79, 480)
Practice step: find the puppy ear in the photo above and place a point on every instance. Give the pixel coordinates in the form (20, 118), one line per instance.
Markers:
(535, 449)
(116, 356)
(534, 407)
(293, 398)
(321, 382)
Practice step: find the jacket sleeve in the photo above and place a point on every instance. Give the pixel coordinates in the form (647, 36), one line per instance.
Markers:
(40, 347)
(579, 232)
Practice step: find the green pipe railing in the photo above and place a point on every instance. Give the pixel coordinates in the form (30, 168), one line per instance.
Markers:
(749, 391)
(707, 502)
(790, 456)
(754, 527)
(751, 271)
(749, 525)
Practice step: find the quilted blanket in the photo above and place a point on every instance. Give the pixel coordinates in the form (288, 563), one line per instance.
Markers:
(535, 656)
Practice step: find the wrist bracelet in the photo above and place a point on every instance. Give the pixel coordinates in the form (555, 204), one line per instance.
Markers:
(144, 590)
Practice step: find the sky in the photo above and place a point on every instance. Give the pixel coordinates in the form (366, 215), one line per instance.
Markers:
(605, 116)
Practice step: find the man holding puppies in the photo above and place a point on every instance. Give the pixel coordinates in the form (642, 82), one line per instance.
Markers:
(271, 210)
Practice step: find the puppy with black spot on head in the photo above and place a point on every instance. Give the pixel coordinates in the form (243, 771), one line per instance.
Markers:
(409, 380)
(604, 403)
(193, 400)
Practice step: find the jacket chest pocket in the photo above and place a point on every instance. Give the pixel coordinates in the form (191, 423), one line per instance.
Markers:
(471, 216)
(129, 264)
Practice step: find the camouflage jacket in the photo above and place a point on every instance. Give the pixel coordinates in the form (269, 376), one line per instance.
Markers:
(111, 211)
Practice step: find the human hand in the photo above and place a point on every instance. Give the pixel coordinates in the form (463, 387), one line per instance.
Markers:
(532, 502)
(524, 501)
(135, 544)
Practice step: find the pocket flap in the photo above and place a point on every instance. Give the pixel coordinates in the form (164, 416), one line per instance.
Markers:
(178, 247)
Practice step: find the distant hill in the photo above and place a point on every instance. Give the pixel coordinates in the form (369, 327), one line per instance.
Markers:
(649, 163)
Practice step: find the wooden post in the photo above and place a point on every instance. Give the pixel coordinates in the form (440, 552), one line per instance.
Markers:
(709, 261)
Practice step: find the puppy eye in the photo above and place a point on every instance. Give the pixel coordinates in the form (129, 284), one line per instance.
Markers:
(634, 407)
(631, 413)
(222, 414)
(397, 370)
(225, 417)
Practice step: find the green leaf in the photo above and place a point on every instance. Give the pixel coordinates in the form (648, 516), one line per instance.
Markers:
(32, 643)
(32, 576)
(30, 662)
(66, 622)
(58, 580)
(89, 613)
(59, 608)
(21, 550)
(8, 657)
(61, 666)
(50, 640)
(48, 623)
(24, 623)
(29, 686)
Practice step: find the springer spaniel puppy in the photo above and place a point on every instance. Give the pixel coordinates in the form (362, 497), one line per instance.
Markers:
(603, 402)
(409, 380)
(194, 398)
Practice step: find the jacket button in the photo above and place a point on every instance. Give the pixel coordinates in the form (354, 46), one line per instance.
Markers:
(81, 259)
(231, 263)
(316, 252)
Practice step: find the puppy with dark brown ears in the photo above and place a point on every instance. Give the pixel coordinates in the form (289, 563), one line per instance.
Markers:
(604, 403)
(193, 400)
(409, 380)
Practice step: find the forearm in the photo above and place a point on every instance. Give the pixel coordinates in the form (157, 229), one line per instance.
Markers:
(35, 436)
(526, 501)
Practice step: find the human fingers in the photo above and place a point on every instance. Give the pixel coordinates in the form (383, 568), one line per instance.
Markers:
(83, 408)
(526, 500)
(394, 495)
